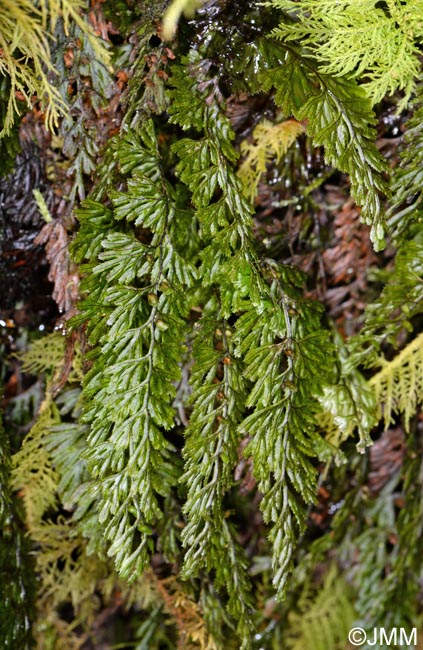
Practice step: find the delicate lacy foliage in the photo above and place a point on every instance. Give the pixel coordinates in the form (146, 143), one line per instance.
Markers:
(25, 56)
(129, 389)
(279, 336)
(270, 143)
(324, 619)
(207, 372)
(286, 355)
(339, 117)
(9, 144)
(348, 405)
(44, 354)
(398, 387)
(33, 473)
(87, 86)
(363, 39)
(219, 393)
(400, 300)
(138, 290)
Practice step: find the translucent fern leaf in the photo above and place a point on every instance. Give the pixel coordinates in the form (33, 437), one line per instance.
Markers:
(324, 618)
(33, 473)
(284, 363)
(398, 386)
(44, 354)
(348, 405)
(400, 300)
(407, 180)
(138, 344)
(270, 143)
(339, 117)
(360, 39)
(211, 452)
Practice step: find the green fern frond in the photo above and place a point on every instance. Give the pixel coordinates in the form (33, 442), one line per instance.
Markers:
(322, 620)
(405, 212)
(339, 117)
(44, 355)
(348, 406)
(67, 573)
(391, 313)
(139, 341)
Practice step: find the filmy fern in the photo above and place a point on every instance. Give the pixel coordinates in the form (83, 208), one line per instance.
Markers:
(271, 142)
(277, 334)
(363, 39)
(398, 386)
(405, 211)
(348, 405)
(398, 303)
(322, 622)
(25, 59)
(140, 338)
(339, 117)
(33, 473)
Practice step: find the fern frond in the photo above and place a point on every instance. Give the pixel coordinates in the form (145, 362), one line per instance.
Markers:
(339, 118)
(26, 29)
(67, 573)
(398, 386)
(228, 271)
(270, 142)
(323, 620)
(348, 405)
(359, 39)
(277, 335)
(193, 633)
(287, 368)
(44, 354)
(139, 341)
(400, 300)
(33, 474)
(406, 206)
(211, 452)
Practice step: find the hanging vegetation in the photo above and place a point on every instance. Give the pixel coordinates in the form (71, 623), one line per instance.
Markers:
(215, 441)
